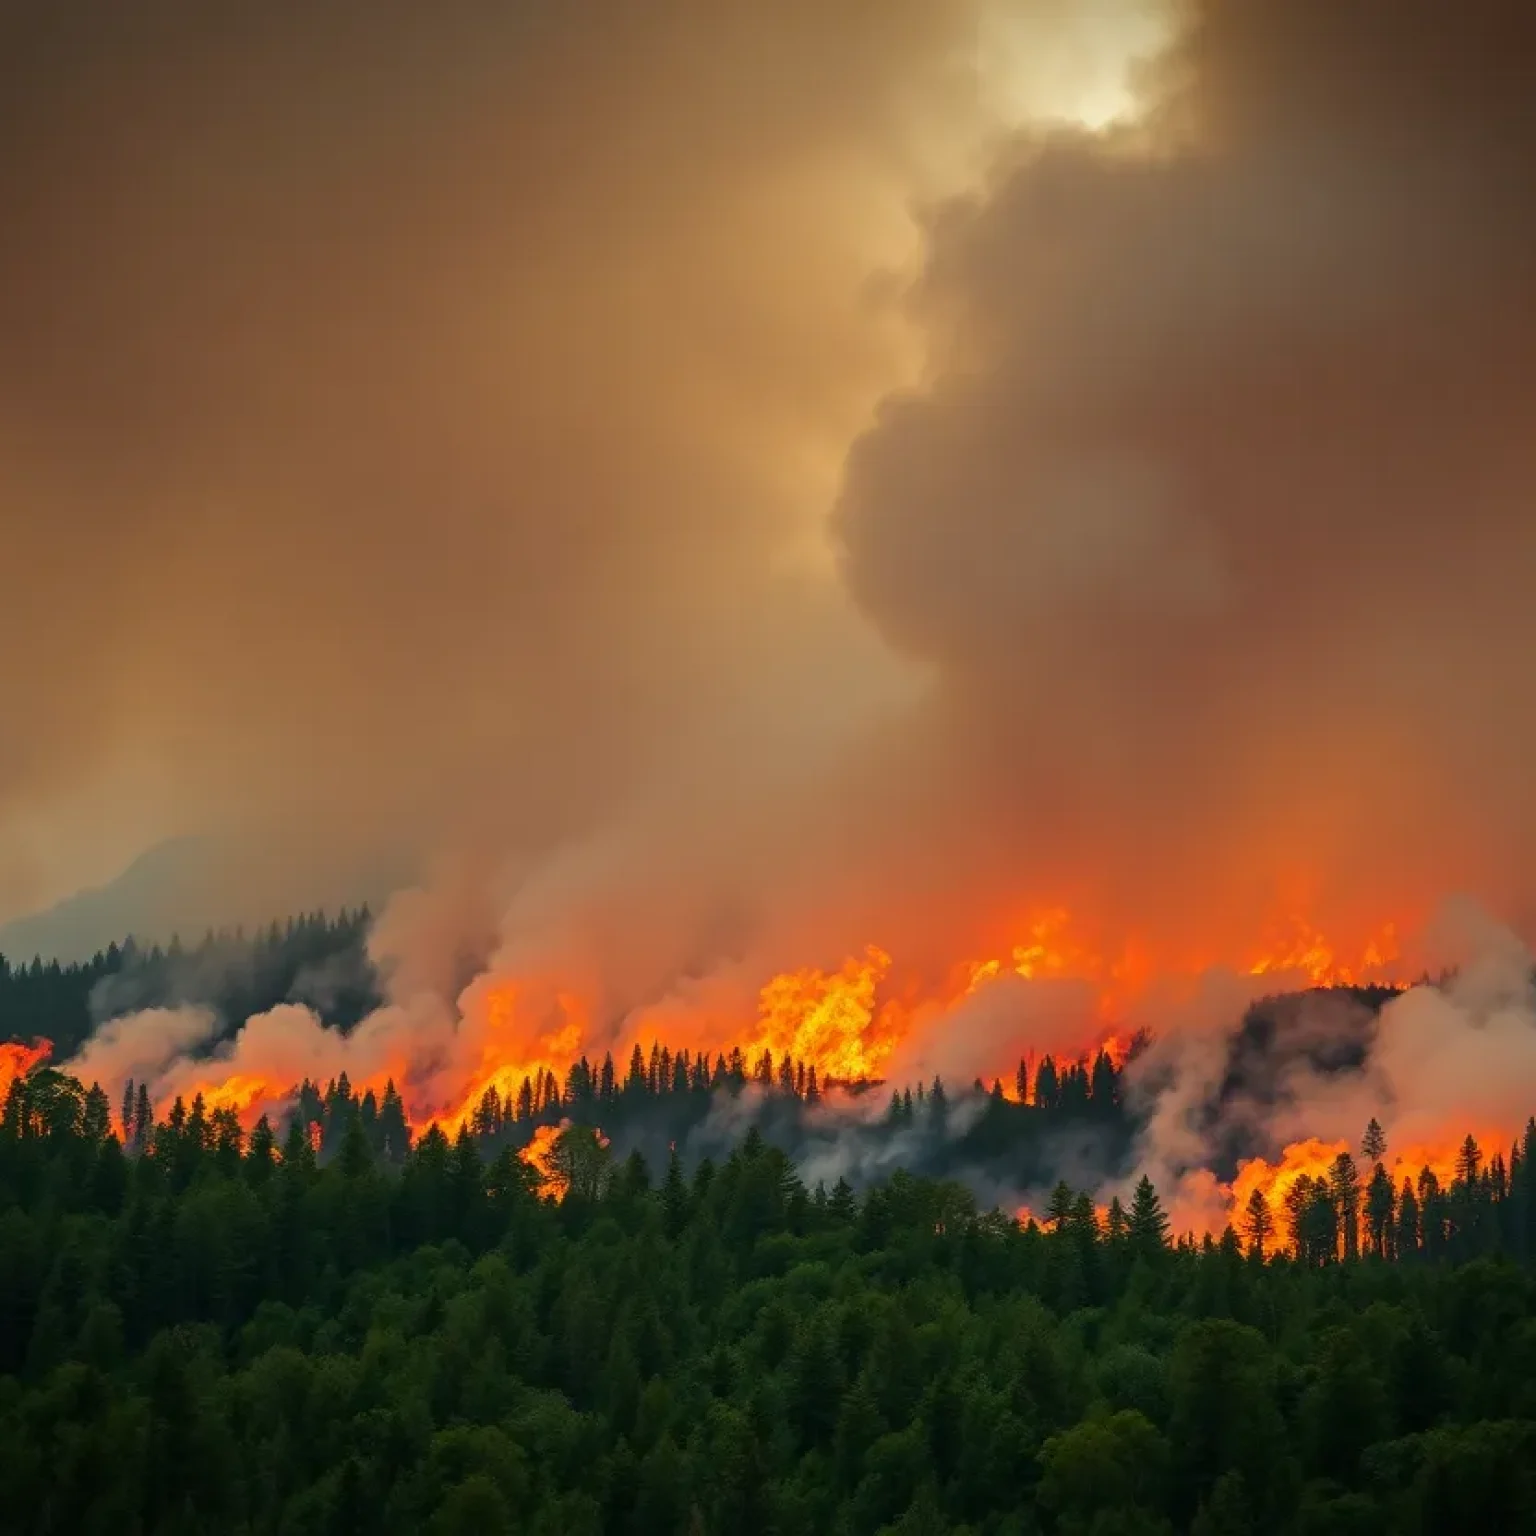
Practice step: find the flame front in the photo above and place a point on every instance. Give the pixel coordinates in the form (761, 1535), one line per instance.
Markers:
(16, 1060)
(1306, 952)
(519, 1036)
(832, 1020)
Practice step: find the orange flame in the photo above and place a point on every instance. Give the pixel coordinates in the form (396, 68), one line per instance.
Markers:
(539, 1154)
(240, 1093)
(845, 1022)
(1302, 1159)
(515, 1048)
(17, 1060)
(1314, 1159)
(1308, 953)
(830, 1020)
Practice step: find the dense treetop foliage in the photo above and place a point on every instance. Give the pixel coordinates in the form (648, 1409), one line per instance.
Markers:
(220, 1333)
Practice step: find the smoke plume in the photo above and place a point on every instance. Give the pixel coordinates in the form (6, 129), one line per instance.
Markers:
(435, 431)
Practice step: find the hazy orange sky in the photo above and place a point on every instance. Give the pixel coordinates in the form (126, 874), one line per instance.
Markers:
(887, 455)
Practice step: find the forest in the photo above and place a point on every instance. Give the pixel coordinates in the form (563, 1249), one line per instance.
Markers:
(660, 1295)
(217, 1332)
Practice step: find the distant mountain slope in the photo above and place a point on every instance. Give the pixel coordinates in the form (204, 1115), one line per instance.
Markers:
(149, 898)
(186, 886)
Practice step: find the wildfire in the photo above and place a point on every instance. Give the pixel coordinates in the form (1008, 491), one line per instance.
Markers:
(1311, 1159)
(831, 1020)
(517, 1038)
(16, 1060)
(1306, 952)
(515, 1048)
(241, 1093)
(1048, 949)
(1315, 1160)
(538, 1155)
(541, 1154)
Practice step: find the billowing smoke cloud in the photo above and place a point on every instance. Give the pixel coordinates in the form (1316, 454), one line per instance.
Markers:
(1213, 515)
(148, 1046)
(1436, 1063)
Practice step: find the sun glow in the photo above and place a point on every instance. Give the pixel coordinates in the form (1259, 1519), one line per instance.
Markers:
(1038, 67)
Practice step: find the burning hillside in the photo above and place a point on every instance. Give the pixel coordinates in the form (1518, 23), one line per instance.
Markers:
(1230, 1096)
(864, 1020)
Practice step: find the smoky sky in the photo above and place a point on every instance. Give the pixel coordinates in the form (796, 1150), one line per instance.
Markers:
(419, 424)
(405, 416)
(1214, 514)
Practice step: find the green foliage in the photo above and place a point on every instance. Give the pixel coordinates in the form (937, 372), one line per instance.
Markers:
(249, 1334)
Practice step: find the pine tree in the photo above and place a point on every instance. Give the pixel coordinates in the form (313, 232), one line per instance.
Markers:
(1047, 1084)
(1469, 1161)
(1149, 1222)
(842, 1204)
(674, 1196)
(143, 1120)
(1373, 1145)
(1059, 1211)
(1104, 1086)
(1297, 1198)
(1258, 1223)
(1320, 1225)
(394, 1131)
(1380, 1211)
(1117, 1224)
(262, 1154)
(1344, 1186)
(356, 1155)
(1408, 1236)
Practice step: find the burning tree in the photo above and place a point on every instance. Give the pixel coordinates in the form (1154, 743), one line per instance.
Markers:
(1258, 1223)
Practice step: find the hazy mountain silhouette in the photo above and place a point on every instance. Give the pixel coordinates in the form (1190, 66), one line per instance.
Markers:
(182, 885)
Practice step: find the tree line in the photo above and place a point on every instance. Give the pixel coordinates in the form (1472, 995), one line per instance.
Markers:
(668, 1096)
(1488, 1206)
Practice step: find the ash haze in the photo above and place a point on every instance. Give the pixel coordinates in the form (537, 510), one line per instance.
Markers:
(740, 475)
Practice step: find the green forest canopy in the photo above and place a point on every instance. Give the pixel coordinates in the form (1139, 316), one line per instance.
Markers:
(220, 1334)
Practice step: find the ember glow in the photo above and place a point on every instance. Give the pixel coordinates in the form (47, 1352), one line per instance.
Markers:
(539, 1153)
(16, 1060)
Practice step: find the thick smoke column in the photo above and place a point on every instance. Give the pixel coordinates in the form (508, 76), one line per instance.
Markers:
(1212, 517)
